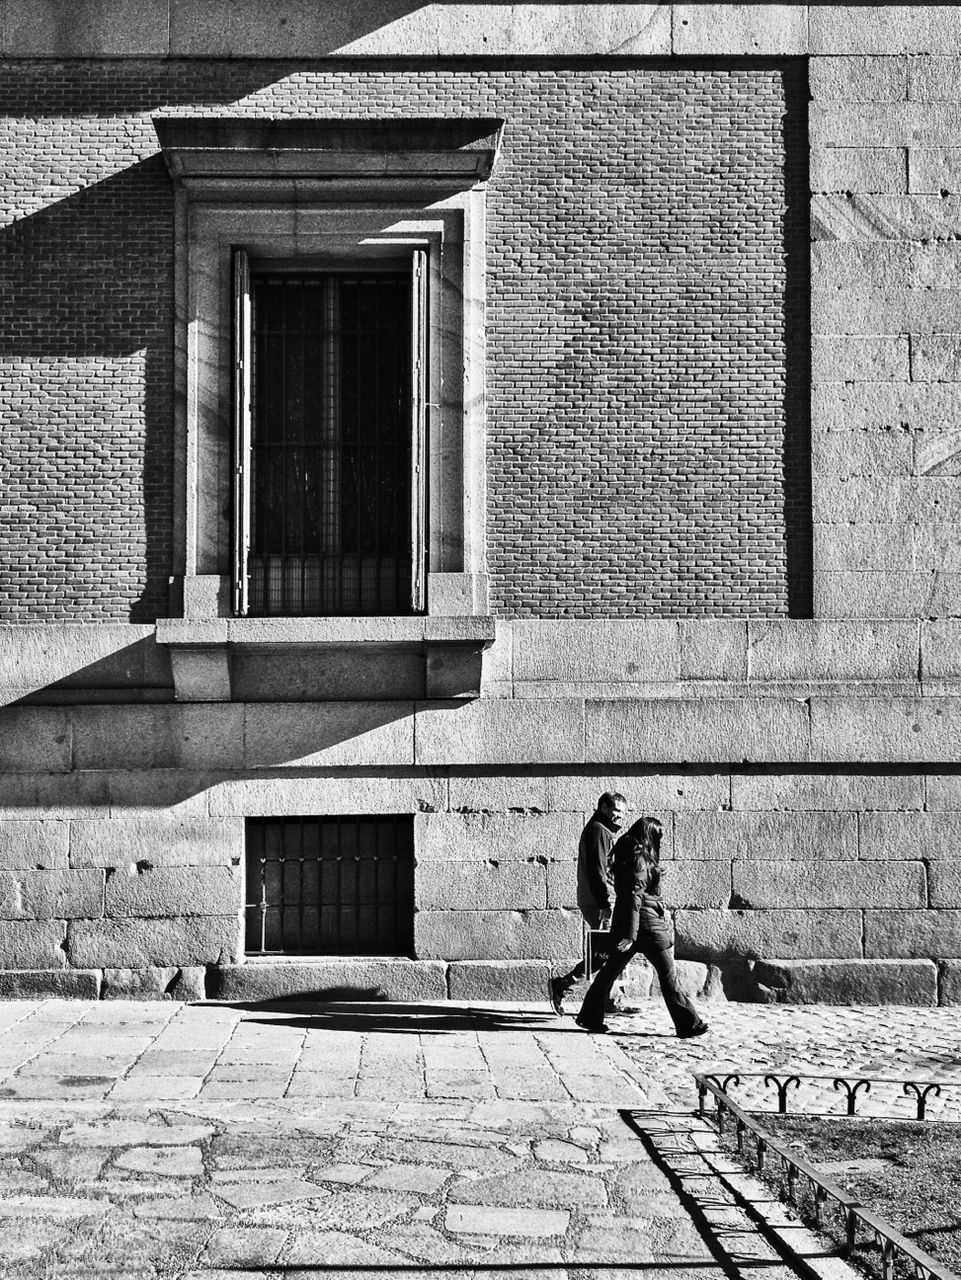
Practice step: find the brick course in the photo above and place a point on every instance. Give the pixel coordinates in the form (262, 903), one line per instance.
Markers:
(648, 445)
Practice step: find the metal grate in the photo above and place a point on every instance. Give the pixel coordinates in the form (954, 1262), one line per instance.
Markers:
(331, 444)
(330, 886)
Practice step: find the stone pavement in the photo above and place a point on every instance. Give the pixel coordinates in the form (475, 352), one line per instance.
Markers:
(207, 1141)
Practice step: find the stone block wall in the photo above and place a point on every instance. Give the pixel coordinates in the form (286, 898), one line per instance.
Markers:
(813, 824)
(768, 869)
(649, 334)
(885, 217)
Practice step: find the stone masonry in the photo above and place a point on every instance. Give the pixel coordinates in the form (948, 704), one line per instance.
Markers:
(123, 849)
(718, 524)
(176, 1141)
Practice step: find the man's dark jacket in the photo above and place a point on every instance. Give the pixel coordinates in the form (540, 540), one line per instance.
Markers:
(593, 852)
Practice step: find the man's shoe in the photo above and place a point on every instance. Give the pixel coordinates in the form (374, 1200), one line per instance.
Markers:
(694, 1031)
(558, 990)
(596, 1028)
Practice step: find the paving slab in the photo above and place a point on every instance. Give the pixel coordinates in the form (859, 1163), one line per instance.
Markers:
(438, 1136)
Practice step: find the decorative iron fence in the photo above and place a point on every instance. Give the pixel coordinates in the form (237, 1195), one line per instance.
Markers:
(890, 1097)
(856, 1219)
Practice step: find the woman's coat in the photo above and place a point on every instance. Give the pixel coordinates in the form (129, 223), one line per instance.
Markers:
(638, 907)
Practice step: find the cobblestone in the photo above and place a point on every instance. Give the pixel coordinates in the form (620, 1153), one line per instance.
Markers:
(512, 1137)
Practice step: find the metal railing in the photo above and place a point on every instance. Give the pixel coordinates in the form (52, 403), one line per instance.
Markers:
(825, 1193)
(787, 1088)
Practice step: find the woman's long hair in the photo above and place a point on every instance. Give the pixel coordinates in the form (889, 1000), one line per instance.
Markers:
(646, 833)
(643, 841)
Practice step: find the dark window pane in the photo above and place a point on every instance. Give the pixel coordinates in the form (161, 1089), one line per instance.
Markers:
(330, 886)
(331, 444)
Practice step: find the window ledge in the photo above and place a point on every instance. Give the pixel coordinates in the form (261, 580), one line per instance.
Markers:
(453, 647)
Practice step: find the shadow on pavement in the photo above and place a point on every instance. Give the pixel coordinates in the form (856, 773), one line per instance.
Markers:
(404, 1019)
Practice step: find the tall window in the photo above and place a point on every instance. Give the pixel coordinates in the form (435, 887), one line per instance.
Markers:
(330, 440)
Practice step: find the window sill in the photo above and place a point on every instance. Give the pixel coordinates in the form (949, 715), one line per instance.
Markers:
(200, 651)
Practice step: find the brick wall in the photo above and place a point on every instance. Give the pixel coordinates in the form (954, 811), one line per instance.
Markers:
(86, 388)
(647, 412)
(648, 423)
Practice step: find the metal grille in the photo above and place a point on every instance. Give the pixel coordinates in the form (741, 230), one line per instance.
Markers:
(331, 444)
(330, 886)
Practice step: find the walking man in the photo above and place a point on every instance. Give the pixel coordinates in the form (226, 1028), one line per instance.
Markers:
(593, 879)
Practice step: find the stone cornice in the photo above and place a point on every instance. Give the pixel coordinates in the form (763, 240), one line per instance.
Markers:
(239, 148)
(291, 29)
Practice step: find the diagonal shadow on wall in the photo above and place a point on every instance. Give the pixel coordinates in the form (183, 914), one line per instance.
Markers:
(86, 332)
(86, 326)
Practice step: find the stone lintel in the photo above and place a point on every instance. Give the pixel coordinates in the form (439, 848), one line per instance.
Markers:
(57, 984)
(524, 980)
(913, 982)
(158, 983)
(294, 29)
(950, 982)
(201, 673)
(453, 671)
(236, 149)
(331, 979)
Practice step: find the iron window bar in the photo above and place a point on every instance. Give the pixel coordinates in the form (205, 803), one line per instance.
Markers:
(330, 440)
(330, 886)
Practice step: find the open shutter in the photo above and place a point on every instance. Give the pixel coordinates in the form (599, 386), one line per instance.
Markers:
(243, 379)
(418, 453)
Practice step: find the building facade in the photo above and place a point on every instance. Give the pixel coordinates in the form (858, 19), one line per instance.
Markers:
(417, 420)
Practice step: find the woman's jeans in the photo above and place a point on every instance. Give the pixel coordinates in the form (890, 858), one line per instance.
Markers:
(682, 1011)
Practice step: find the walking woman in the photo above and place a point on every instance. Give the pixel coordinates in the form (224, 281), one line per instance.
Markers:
(640, 925)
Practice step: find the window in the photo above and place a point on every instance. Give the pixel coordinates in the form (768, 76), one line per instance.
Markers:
(330, 438)
(330, 886)
(352, 518)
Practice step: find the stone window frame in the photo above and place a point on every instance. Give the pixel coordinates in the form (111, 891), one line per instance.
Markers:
(348, 191)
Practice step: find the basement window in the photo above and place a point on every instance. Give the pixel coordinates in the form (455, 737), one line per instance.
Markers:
(330, 886)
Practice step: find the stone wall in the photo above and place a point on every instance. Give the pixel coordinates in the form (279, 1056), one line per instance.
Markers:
(805, 773)
(806, 769)
(133, 880)
(244, 29)
(886, 319)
